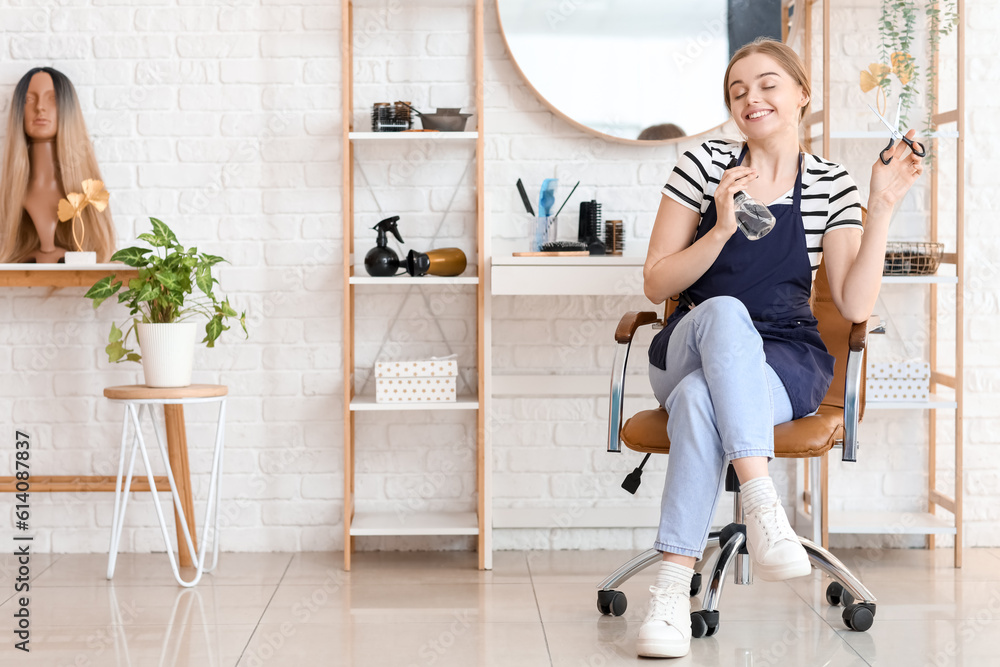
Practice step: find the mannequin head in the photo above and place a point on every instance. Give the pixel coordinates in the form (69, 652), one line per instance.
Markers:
(45, 108)
(41, 114)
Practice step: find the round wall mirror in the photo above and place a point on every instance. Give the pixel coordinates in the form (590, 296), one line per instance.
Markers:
(630, 68)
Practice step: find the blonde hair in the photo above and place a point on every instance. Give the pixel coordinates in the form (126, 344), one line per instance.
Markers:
(76, 162)
(784, 55)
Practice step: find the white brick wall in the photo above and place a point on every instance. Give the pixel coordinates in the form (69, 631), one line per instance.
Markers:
(224, 121)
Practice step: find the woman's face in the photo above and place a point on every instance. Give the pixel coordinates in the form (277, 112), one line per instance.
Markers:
(40, 114)
(765, 99)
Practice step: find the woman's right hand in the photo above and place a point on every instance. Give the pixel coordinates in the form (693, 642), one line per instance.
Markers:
(733, 180)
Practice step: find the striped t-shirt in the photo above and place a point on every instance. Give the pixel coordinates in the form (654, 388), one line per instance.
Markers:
(830, 199)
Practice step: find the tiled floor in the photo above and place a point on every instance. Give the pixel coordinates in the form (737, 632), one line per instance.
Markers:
(534, 608)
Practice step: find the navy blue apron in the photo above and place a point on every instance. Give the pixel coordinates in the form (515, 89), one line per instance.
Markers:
(773, 278)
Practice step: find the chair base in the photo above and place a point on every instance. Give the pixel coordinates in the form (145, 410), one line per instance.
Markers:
(859, 603)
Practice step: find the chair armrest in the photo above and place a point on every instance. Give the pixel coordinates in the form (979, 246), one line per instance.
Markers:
(631, 321)
(623, 335)
(860, 331)
(852, 383)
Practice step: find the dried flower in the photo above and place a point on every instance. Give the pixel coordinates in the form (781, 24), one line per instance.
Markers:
(873, 76)
(902, 66)
(71, 208)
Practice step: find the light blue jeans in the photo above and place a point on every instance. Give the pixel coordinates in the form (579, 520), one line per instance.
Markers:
(723, 401)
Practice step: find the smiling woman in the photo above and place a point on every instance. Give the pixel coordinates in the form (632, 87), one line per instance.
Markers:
(617, 68)
(47, 154)
(742, 352)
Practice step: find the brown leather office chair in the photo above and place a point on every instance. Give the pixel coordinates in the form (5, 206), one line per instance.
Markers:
(835, 424)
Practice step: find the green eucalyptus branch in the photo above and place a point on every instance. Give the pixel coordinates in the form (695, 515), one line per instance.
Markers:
(897, 28)
(940, 22)
(164, 291)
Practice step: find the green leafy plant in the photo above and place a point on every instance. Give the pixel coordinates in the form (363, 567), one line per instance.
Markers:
(897, 29)
(164, 291)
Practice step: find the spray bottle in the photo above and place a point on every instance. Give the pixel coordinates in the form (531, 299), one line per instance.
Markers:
(382, 261)
(754, 219)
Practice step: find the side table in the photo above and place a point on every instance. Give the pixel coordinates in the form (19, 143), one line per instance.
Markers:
(139, 399)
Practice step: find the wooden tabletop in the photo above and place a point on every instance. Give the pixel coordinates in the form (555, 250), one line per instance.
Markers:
(138, 392)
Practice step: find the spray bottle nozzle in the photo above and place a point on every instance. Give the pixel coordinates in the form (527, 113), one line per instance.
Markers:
(388, 225)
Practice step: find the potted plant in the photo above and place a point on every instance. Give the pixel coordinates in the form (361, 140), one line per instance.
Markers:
(161, 302)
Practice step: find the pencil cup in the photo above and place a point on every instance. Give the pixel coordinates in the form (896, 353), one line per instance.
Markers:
(544, 232)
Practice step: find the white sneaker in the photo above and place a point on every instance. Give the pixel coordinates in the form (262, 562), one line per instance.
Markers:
(774, 547)
(666, 632)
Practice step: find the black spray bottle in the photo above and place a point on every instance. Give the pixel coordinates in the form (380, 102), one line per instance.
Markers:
(382, 261)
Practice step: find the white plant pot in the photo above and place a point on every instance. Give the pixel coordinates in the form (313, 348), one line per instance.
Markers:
(167, 353)
(85, 257)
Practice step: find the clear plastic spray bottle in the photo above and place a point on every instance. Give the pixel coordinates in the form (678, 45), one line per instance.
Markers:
(753, 218)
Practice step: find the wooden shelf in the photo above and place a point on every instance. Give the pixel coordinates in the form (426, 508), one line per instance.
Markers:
(415, 523)
(929, 280)
(409, 280)
(367, 403)
(60, 275)
(884, 134)
(934, 402)
(889, 523)
(413, 136)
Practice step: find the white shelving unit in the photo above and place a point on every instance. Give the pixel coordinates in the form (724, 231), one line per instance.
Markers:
(933, 402)
(409, 280)
(367, 403)
(881, 134)
(896, 523)
(359, 521)
(424, 523)
(413, 136)
(927, 523)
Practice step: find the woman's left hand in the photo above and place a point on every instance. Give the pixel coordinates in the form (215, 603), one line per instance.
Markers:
(891, 181)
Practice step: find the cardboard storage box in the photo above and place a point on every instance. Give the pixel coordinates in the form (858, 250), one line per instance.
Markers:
(426, 381)
(898, 381)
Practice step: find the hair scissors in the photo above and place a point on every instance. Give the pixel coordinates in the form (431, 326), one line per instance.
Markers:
(917, 149)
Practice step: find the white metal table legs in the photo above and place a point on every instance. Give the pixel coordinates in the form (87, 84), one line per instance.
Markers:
(133, 414)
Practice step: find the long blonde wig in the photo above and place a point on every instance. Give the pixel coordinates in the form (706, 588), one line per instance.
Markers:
(76, 162)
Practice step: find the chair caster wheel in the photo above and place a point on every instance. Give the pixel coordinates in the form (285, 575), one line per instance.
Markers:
(611, 602)
(704, 623)
(837, 595)
(859, 617)
(695, 584)
(833, 594)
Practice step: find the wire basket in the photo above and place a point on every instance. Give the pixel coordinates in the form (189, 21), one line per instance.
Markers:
(912, 258)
